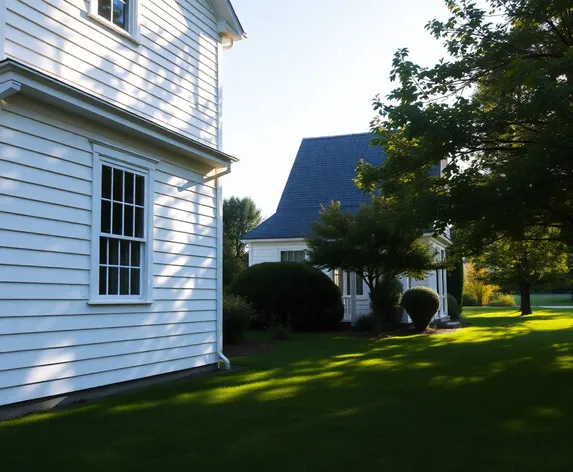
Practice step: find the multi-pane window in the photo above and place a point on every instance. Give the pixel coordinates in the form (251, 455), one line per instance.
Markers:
(122, 232)
(359, 285)
(115, 11)
(292, 256)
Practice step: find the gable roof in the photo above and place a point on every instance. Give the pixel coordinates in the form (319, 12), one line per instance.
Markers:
(323, 171)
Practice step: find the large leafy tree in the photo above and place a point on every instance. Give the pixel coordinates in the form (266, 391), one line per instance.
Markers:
(375, 242)
(498, 112)
(525, 264)
(240, 215)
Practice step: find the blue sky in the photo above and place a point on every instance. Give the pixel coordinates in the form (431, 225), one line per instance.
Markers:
(310, 68)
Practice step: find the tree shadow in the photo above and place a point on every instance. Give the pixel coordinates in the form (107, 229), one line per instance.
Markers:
(342, 403)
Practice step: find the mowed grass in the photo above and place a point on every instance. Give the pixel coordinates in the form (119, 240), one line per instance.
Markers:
(497, 396)
(548, 299)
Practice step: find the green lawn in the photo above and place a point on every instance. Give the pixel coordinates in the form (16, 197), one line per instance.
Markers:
(497, 396)
(548, 299)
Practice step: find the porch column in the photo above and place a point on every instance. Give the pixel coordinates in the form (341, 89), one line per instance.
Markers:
(352, 296)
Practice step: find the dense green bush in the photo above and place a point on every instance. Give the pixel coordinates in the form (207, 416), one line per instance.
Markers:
(502, 299)
(454, 311)
(455, 281)
(469, 300)
(386, 303)
(421, 303)
(364, 324)
(290, 294)
(237, 315)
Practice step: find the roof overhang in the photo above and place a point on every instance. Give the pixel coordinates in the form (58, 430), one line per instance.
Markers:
(18, 78)
(273, 240)
(228, 25)
(440, 238)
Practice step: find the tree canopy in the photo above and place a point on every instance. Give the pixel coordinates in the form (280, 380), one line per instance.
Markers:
(373, 242)
(240, 215)
(525, 264)
(497, 115)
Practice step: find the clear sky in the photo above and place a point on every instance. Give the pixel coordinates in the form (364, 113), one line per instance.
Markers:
(310, 68)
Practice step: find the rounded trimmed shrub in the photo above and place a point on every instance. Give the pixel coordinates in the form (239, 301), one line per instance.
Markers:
(291, 294)
(421, 303)
(502, 299)
(469, 300)
(386, 303)
(454, 311)
(237, 316)
(364, 324)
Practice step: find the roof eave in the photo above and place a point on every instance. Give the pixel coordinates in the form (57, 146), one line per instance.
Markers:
(32, 83)
(228, 24)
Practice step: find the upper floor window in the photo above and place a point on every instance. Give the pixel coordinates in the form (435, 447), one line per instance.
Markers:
(122, 231)
(119, 15)
(292, 256)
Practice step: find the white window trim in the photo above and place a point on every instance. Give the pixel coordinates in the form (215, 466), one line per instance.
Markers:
(133, 21)
(115, 157)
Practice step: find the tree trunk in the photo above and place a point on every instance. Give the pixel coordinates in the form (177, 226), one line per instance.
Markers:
(524, 291)
(572, 291)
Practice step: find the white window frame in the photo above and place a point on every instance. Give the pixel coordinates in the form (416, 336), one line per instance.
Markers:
(293, 251)
(133, 20)
(104, 154)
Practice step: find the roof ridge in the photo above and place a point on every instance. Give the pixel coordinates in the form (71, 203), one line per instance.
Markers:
(337, 136)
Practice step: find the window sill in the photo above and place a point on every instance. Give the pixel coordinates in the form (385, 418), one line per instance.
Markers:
(115, 29)
(119, 302)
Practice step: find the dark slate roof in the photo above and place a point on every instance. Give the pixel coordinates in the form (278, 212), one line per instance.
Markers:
(322, 171)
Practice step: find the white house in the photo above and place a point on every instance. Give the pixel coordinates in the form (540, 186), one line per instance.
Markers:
(110, 191)
(323, 171)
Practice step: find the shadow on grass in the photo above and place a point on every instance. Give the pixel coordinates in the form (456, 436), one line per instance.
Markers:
(496, 396)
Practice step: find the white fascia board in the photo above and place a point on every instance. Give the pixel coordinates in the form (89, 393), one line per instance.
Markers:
(440, 238)
(39, 86)
(228, 23)
(273, 240)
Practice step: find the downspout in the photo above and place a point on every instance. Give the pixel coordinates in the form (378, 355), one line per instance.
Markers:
(221, 358)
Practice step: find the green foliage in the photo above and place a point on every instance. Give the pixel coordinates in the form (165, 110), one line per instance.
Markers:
(454, 310)
(498, 112)
(535, 261)
(377, 243)
(386, 302)
(502, 299)
(476, 285)
(240, 215)
(364, 324)
(290, 294)
(421, 303)
(469, 300)
(237, 315)
(232, 265)
(455, 281)
(279, 333)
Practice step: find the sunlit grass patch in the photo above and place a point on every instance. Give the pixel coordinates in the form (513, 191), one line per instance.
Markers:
(497, 396)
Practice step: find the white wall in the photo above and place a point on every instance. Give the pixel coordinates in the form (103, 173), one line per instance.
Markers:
(51, 341)
(169, 78)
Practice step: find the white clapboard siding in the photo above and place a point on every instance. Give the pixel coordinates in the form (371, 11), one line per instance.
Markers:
(28, 224)
(43, 275)
(37, 374)
(62, 355)
(39, 324)
(170, 78)
(167, 270)
(40, 341)
(52, 340)
(36, 307)
(58, 387)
